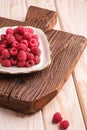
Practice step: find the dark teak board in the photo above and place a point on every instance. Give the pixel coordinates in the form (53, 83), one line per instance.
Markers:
(28, 93)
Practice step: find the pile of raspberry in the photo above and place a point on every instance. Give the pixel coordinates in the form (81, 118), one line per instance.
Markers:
(19, 47)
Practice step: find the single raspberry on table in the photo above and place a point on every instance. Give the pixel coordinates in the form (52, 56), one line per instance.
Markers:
(64, 124)
(56, 118)
(6, 63)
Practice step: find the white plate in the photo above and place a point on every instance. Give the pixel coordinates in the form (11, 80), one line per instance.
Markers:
(45, 55)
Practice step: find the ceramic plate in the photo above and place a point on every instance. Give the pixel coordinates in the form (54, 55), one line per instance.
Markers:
(45, 55)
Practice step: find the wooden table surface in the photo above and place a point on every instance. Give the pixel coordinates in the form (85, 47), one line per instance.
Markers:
(71, 101)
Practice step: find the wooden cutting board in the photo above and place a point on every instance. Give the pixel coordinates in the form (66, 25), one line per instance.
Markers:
(28, 93)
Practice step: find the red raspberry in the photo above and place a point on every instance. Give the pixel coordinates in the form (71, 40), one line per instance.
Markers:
(56, 118)
(30, 56)
(21, 63)
(28, 50)
(9, 31)
(37, 59)
(64, 124)
(13, 51)
(36, 51)
(35, 36)
(6, 63)
(3, 43)
(1, 49)
(27, 64)
(30, 30)
(13, 61)
(31, 62)
(15, 44)
(21, 30)
(25, 42)
(22, 55)
(0, 58)
(27, 35)
(10, 38)
(3, 36)
(18, 37)
(5, 54)
(15, 30)
(22, 46)
(33, 43)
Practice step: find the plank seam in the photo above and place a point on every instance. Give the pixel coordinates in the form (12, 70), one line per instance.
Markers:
(79, 100)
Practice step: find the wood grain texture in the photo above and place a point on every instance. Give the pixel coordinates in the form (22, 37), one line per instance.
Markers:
(10, 120)
(27, 94)
(66, 102)
(72, 15)
(37, 17)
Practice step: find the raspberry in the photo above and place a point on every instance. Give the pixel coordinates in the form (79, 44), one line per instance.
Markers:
(9, 31)
(15, 44)
(13, 61)
(5, 54)
(37, 59)
(21, 63)
(22, 46)
(6, 63)
(35, 36)
(25, 42)
(10, 38)
(28, 50)
(27, 64)
(15, 30)
(3, 36)
(19, 46)
(22, 55)
(21, 30)
(31, 62)
(33, 43)
(30, 30)
(36, 51)
(3, 43)
(30, 56)
(27, 35)
(64, 124)
(18, 37)
(56, 118)
(13, 51)
(1, 50)
(0, 58)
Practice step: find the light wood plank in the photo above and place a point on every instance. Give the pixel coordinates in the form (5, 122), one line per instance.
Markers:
(67, 104)
(33, 122)
(73, 17)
